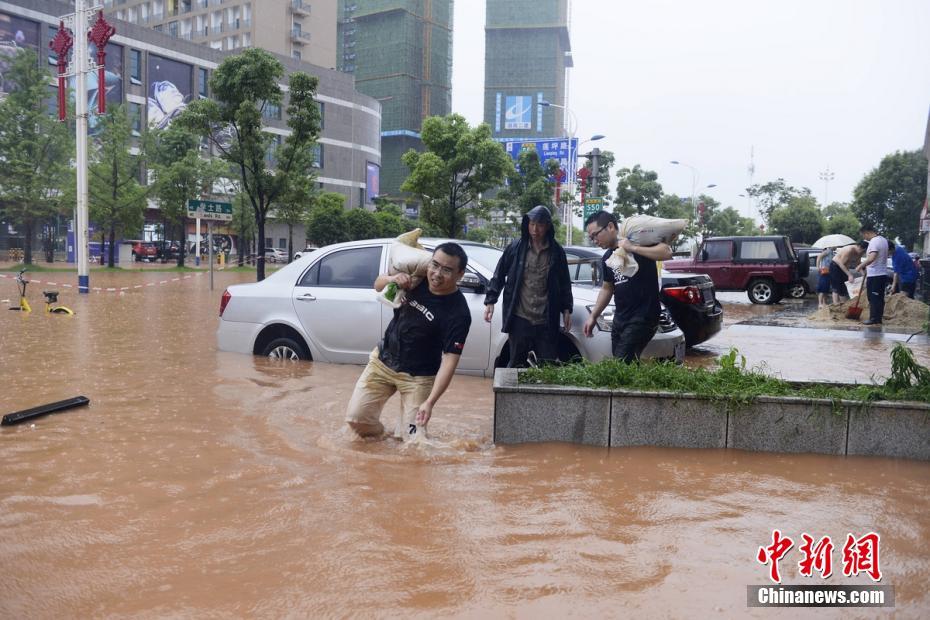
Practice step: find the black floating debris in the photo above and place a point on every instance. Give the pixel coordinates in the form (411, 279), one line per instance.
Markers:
(28, 414)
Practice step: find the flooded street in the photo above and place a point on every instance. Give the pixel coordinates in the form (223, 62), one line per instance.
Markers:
(203, 484)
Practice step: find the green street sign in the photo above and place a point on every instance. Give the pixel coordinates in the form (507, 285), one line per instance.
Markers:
(209, 210)
(592, 206)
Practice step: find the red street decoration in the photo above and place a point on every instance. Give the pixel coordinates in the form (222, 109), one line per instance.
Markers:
(99, 34)
(559, 177)
(61, 45)
(583, 174)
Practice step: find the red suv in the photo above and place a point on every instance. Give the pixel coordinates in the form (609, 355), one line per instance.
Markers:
(144, 250)
(764, 267)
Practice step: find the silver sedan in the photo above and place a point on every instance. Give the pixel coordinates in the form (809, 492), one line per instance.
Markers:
(322, 307)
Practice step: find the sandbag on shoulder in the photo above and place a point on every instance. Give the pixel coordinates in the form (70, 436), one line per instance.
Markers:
(406, 255)
(642, 230)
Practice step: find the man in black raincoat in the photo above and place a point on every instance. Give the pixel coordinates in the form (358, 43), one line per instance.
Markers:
(533, 274)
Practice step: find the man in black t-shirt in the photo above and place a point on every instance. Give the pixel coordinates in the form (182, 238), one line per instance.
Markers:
(636, 298)
(421, 347)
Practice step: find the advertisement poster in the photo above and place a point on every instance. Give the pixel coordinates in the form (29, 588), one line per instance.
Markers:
(518, 112)
(372, 181)
(16, 33)
(169, 88)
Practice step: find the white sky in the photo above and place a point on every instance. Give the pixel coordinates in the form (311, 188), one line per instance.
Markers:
(808, 84)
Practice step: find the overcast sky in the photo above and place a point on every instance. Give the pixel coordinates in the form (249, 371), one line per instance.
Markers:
(807, 84)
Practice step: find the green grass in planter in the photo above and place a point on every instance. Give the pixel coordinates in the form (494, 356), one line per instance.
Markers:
(731, 380)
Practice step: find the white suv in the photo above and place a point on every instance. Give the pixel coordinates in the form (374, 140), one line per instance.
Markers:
(323, 307)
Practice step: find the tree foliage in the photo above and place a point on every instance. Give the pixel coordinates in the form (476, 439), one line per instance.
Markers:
(116, 198)
(361, 224)
(774, 194)
(800, 219)
(294, 207)
(326, 222)
(243, 86)
(841, 220)
(531, 183)
(605, 162)
(35, 150)
(891, 196)
(638, 192)
(180, 174)
(458, 165)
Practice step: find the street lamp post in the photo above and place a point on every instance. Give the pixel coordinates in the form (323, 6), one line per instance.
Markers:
(695, 175)
(826, 176)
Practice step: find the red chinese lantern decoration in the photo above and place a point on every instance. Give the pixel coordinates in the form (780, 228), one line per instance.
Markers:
(99, 34)
(61, 45)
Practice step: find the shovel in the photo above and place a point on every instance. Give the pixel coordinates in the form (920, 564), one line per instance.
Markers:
(855, 311)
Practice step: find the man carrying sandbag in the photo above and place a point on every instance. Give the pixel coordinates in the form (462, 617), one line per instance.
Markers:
(421, 346)
(636, 296)
(533, 274)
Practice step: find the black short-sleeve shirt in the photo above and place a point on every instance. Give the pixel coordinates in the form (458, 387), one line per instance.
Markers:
(636, 298)
(423, 328)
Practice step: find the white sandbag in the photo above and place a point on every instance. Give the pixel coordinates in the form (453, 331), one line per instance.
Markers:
(405, 256)
(642, 230)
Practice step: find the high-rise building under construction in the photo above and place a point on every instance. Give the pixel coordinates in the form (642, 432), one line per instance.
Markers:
(527, 52)
(400, 52)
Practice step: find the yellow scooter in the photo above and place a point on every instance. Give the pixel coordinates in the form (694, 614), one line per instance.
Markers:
(51, 297)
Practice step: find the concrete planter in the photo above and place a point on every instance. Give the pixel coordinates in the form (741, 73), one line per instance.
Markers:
(600, 417)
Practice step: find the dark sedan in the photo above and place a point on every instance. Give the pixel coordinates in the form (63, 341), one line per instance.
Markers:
(690, 297)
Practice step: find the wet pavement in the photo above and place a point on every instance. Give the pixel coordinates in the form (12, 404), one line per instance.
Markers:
(205, 484)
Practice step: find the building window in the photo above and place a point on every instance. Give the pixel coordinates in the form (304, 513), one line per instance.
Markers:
(271, 111)
(317, 155)
(202, 82)
(135, 118)
(322, 107)
(135, 66)
(296, 54)
(282, 243)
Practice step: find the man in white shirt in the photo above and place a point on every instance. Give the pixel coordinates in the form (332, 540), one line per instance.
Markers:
(876, 273)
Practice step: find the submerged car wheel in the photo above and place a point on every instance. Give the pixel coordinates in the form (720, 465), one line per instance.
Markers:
(797, 290)
(285, 349)
(761, 291)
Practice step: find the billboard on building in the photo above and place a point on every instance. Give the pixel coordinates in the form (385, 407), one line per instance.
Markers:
(16, 34)
(560, 149)
(170, 87)
(518, 112)
(112, 76)
(372, 181)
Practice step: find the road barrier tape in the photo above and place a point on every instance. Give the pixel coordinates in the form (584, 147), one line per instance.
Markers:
(113, 289)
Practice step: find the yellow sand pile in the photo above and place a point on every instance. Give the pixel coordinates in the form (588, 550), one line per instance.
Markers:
(900, 311)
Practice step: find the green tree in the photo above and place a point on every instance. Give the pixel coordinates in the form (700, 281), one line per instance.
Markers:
(458, 165)
(180, 174)
(800, 219)
(294, 207)
(35, 150)
(727, 222)
(841, 220)
(116, 198)
(531, 183)
(774, 194)
(243, 86)
(326, 222)
(638, 191)
(362, 224)
(891, 196)
(605, 162)
(243, 223)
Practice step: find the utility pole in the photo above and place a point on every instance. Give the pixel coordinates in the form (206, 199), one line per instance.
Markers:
(595, 166)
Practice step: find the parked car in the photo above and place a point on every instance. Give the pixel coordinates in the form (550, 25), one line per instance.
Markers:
(306, 250)
(689, 297)
(144, 251)
(763, 266)
(166, 250)
(275, 255)
(322, 307)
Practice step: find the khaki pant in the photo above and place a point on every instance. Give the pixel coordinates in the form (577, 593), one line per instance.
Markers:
(376, 385)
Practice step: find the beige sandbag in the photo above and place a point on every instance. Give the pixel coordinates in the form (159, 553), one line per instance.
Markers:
(406, 255)
(642, 230)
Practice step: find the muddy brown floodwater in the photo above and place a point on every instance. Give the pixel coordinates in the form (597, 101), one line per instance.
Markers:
(203, 484)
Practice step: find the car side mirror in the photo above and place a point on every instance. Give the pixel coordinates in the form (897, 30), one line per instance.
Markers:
(472, 282)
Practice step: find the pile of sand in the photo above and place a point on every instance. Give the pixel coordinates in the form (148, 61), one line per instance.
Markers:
(900, 311)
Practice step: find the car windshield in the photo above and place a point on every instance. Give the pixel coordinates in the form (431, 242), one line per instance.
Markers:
(485, 256)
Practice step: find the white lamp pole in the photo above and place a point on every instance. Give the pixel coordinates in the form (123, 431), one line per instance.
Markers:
(572, 156)
(695, 175)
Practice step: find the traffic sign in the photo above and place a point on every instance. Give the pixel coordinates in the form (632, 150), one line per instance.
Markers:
(592, 206)
(209, 210)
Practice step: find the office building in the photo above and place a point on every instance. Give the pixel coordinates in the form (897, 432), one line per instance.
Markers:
(527, 53)
(400, 52)
(155, 75)
(298, 29)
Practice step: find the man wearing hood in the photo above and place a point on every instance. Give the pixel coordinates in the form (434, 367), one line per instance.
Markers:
(533, 274)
